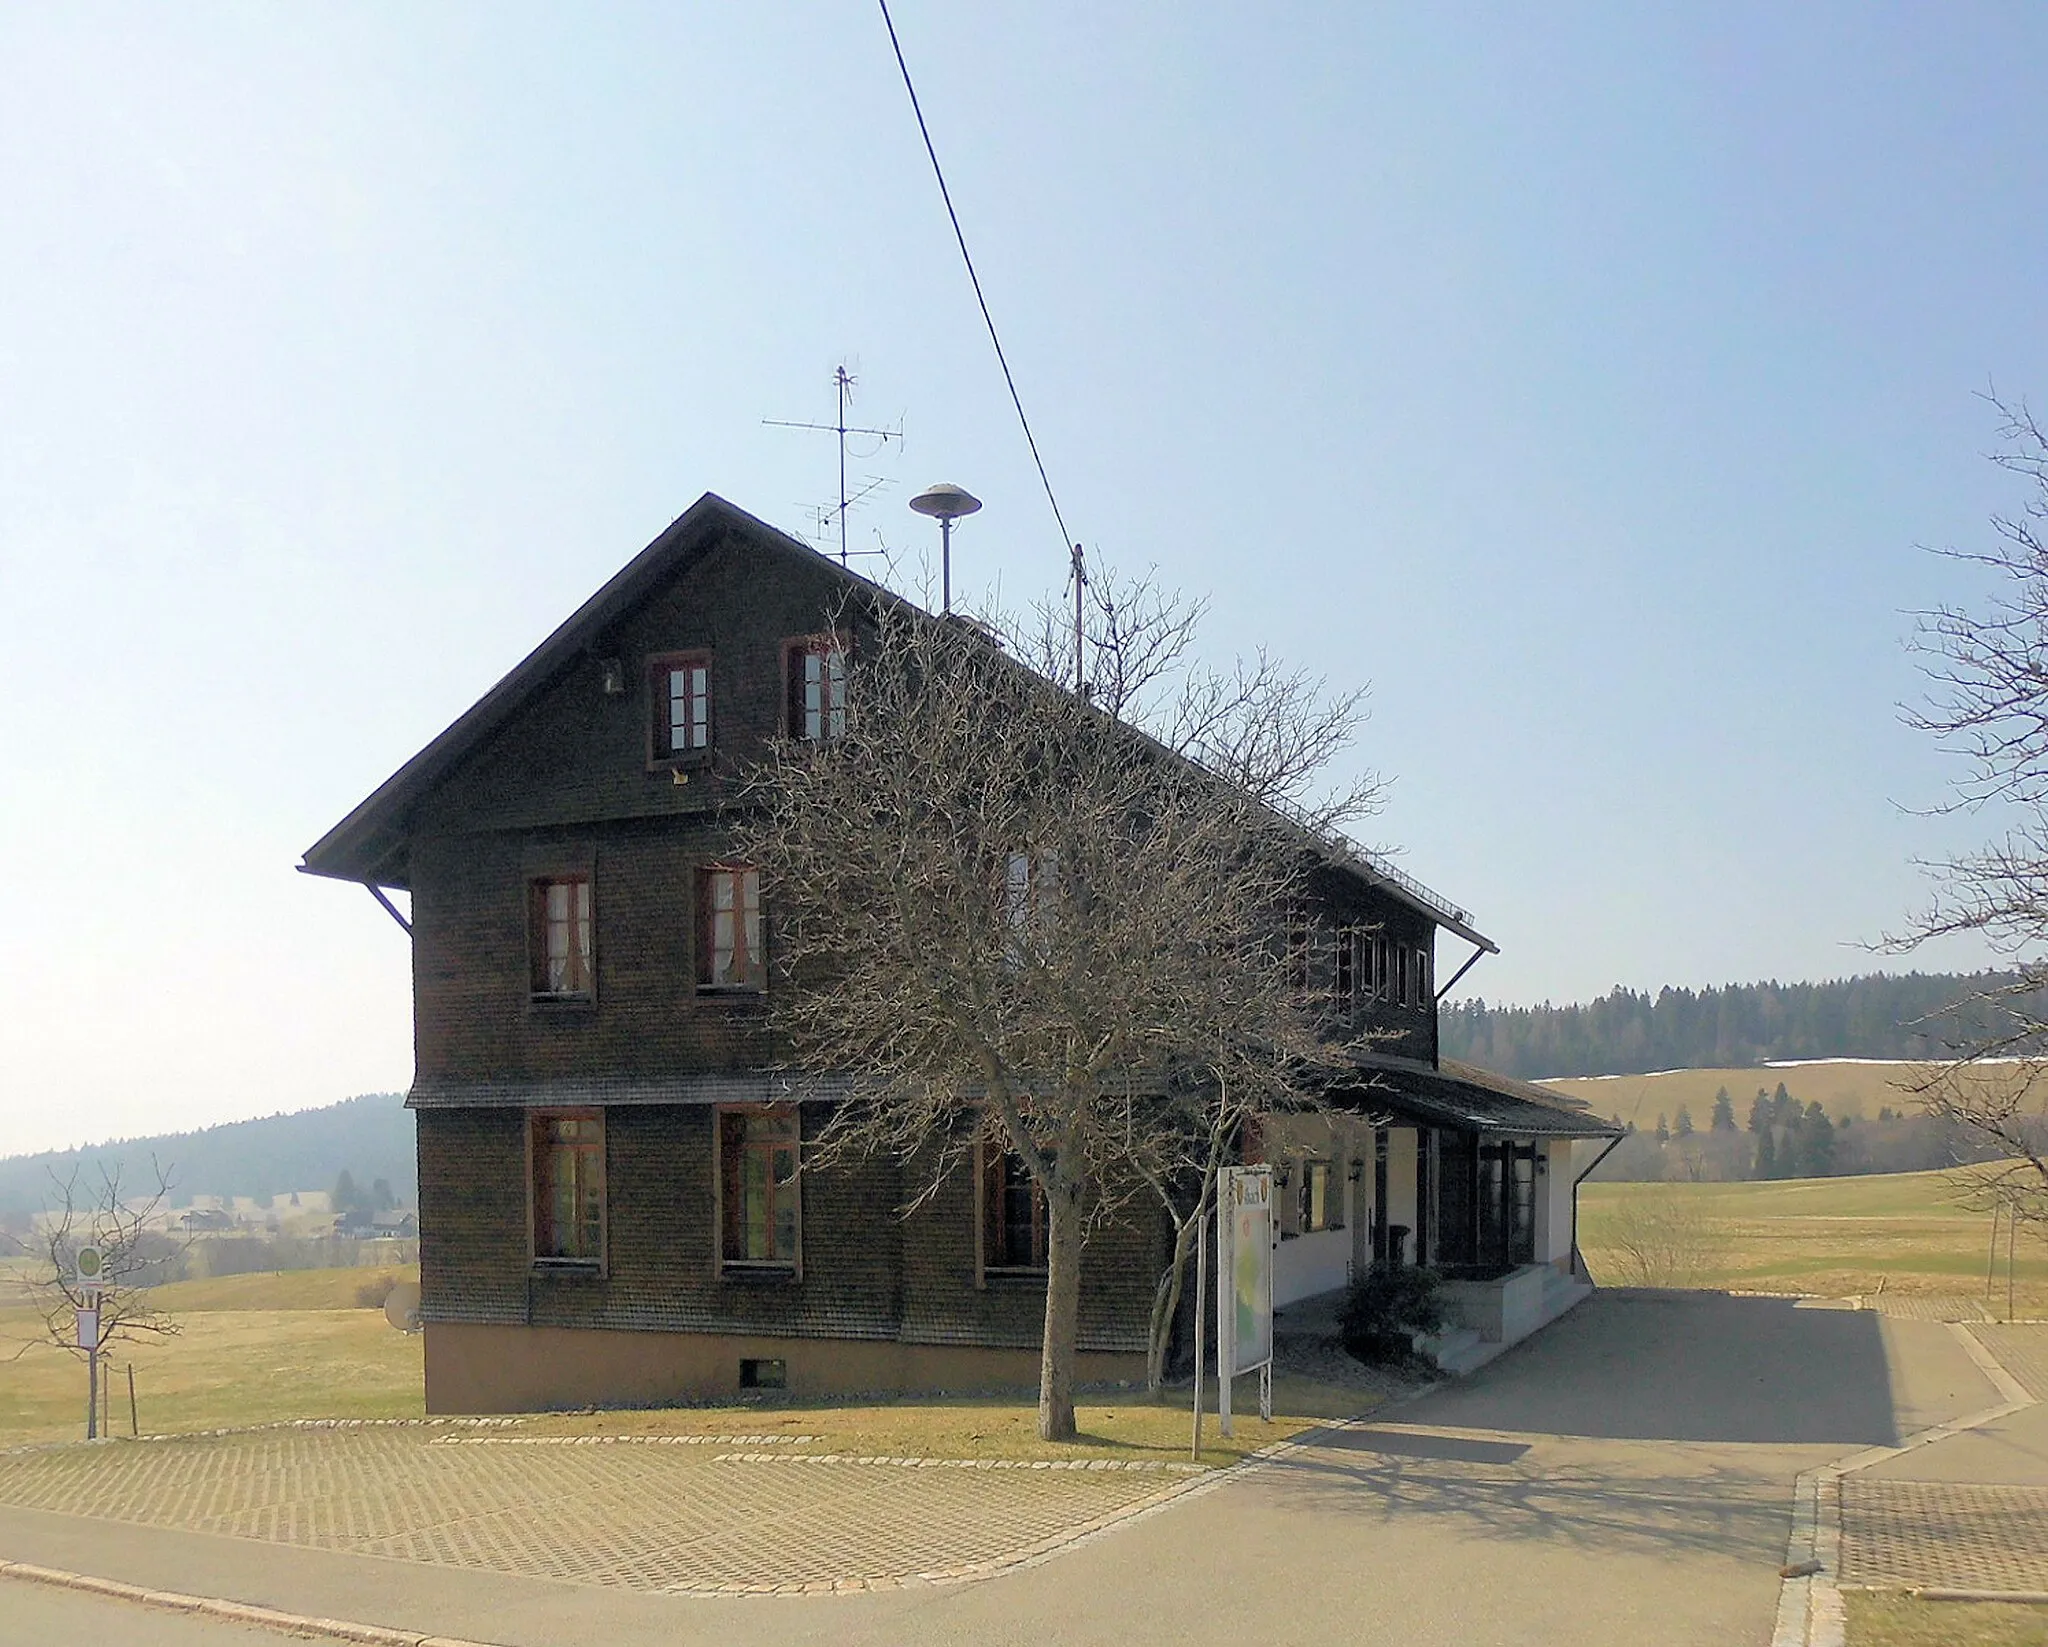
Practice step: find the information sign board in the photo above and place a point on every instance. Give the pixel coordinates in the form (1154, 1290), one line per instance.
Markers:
(1244, 1284)
(1248, 1198)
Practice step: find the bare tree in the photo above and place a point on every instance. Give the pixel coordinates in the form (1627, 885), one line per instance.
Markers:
(134, 1256)
(1042, 917)
(1988, 705)
(1650, 1237)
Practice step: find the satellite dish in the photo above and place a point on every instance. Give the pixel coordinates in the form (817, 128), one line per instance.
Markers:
(402, 1306)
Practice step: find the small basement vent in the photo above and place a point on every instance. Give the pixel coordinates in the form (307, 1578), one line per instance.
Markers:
(764, 1375)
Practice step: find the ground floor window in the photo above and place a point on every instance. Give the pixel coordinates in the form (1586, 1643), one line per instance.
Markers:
(759, 1198)
(1013, 1215)
(568, 1186)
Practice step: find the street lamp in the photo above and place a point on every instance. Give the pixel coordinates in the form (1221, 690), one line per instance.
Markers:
(946, 503)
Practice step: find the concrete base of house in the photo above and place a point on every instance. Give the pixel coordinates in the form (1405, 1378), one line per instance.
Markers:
(499, 1369)
(1489, 1316)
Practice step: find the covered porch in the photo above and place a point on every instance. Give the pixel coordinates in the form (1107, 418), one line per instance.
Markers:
(1472, 1174)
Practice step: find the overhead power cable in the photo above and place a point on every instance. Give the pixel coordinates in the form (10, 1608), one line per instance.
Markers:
(1066, 538)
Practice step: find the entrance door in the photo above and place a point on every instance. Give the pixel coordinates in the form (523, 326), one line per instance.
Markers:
(1507, 1204)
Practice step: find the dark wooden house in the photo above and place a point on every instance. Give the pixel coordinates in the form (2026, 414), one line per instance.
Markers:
(610, 1203)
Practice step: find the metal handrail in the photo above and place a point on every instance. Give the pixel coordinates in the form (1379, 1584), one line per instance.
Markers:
(1343, 846)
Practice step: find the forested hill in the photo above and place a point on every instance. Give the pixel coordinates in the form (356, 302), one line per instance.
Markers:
(1736, 1025)
(370, 1137)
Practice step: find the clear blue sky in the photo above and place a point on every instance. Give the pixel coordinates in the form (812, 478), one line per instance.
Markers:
(1583, 377)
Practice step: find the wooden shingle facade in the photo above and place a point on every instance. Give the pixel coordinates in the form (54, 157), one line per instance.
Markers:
(610, 1203)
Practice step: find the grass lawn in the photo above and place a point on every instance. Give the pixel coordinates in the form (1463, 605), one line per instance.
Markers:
(1884, 1620)
(1118, 1426)
(1836, 1236)
(256, 1349)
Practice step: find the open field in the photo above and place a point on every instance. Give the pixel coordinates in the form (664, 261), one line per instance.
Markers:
(1909, 1232)
(258, 1349)
(1841, 1087)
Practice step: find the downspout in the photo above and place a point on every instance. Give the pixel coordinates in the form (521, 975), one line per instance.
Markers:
(1577, 1262)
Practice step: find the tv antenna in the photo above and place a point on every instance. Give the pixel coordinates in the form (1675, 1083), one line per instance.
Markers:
(843, 381)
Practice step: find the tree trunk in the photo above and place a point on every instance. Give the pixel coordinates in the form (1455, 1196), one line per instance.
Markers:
(1166, 1303)
(1062, 1314)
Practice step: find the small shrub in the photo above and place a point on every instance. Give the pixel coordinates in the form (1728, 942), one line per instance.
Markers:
(1388, 1306)
(1650, 1237)
(370, 1295)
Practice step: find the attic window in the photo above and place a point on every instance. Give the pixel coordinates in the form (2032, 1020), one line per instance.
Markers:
(679, 700)
(817, 688)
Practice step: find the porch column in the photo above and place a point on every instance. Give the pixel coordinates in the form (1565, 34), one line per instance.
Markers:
(1401, 1146)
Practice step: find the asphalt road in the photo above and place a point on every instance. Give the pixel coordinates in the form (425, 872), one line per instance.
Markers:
(32, 1615)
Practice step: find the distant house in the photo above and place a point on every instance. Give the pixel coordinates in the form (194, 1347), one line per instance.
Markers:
(614, 1204)
(361, 1224)
(200, 1220)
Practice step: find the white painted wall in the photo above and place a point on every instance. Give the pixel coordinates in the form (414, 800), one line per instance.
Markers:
(1401, 1185)
(1308, 1264)
(1554, 1201)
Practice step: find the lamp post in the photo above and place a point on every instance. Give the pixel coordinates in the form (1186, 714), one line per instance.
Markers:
(946, 503)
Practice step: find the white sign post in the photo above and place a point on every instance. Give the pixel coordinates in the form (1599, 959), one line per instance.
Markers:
(1244, 1285)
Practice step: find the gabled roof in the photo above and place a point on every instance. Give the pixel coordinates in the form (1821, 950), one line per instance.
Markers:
(369, 845)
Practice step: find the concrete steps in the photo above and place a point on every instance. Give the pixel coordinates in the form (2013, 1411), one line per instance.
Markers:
(1457, 1350)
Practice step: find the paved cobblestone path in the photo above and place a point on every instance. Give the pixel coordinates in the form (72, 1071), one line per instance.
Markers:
(1941, 1534)
(1922, 1307)
(2021, 1350)
(1969, 1511)
(642, 1517)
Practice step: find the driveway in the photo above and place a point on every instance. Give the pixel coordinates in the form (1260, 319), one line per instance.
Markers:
(1625, 1476)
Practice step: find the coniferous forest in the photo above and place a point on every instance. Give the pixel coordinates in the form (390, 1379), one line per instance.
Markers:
(1629, 1032)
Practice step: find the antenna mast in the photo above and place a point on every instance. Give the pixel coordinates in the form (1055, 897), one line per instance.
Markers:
(1080, 583)
(843, 381)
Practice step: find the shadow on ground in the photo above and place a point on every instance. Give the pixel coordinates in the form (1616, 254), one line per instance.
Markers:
(1686, 1366)
(1696, 1508)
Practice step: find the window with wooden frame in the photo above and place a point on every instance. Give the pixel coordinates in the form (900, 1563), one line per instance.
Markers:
(1382, 968)
(759, 1198)
(1297, 943)
(1423, 968)
(679, 707)
(815, 667)
(1401, 974)
(559, 938)
(567, 1175)
(730, 953)
(1013, 1215)
(1348, 982)
(1312, 1208)
(1031, 894)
